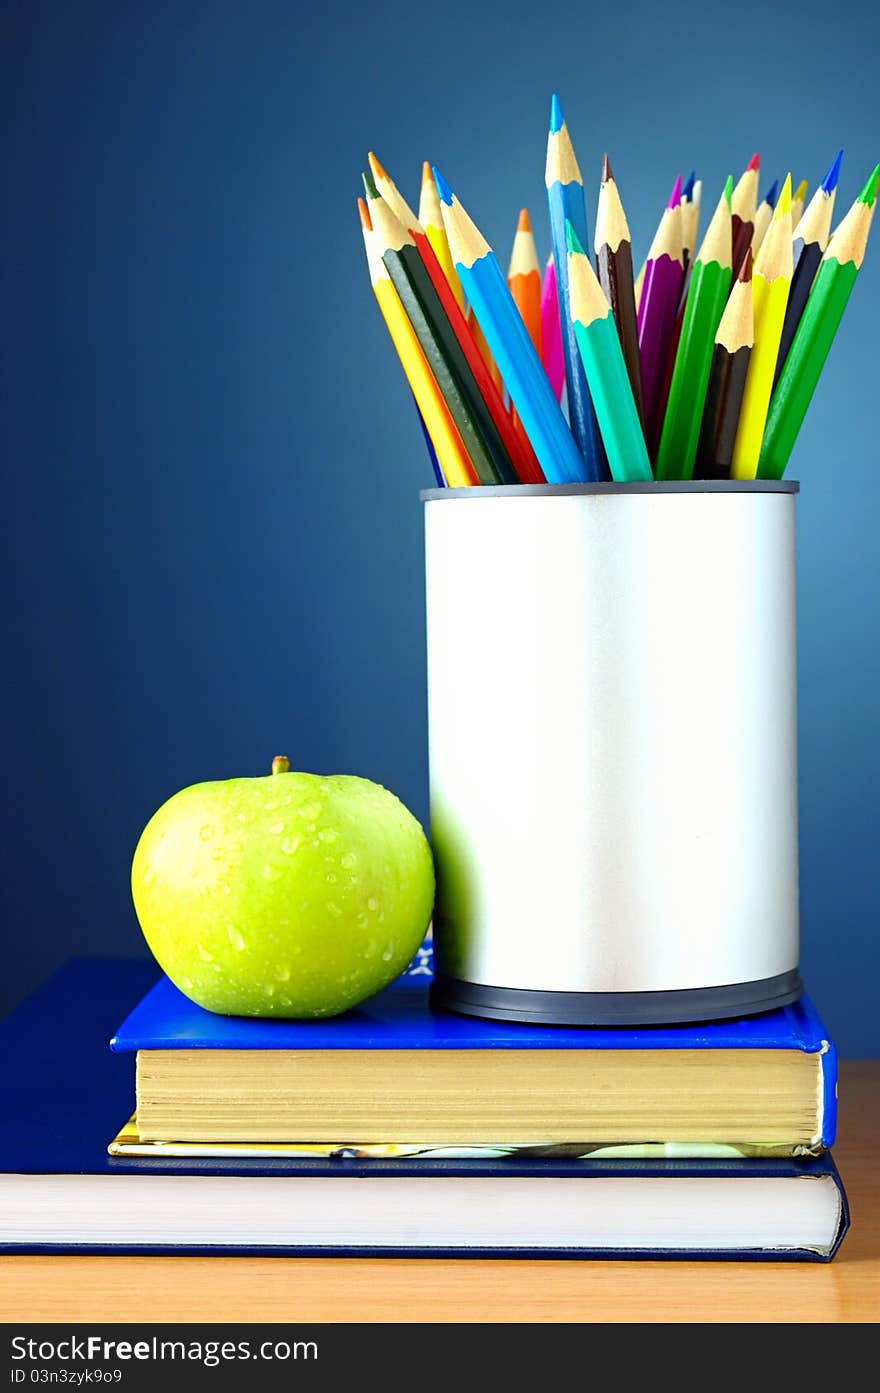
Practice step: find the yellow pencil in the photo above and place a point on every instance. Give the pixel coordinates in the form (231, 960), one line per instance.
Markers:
(452, 456)
(432, 221)
(771, 282)
(798, 199)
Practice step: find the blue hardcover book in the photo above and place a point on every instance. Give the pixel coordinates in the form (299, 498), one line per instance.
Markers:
(761, 1086)
(61, 1192)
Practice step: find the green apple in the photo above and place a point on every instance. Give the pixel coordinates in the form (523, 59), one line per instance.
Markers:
(291, 895)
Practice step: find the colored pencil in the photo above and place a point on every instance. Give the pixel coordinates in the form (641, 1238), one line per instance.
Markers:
(764, 217)
(810, 240)
(524, 278)
(815, 333)
(480, 340)
(771, 281)
(522, 463)
(431, 220)
(440, 346)
(565, 199)
(615, 267)
(485, 287)
(432, 453)
(664, 270)
(690, 216)
(798, 201)
(551, 331)
(639, 285)
(439, 427)
(727, 379)
(709, 289)
(602, 354)
(744, 203)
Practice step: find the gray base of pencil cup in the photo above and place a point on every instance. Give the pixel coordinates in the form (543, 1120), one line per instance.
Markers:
(612, 677)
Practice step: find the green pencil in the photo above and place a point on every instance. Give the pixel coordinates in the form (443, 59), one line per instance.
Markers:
(602, 356)
(822, 314)
(707, 296)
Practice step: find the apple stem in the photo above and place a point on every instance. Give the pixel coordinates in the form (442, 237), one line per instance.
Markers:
(280, 764)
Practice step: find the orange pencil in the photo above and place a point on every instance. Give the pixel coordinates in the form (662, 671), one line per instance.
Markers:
(524, 278)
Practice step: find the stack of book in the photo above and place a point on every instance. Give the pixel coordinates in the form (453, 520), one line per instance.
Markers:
(482, 1138)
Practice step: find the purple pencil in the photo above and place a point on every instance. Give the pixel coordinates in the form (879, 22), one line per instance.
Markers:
(661, 291)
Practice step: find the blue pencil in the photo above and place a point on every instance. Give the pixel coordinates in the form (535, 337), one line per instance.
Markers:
(565, 197)
(432, 453)
(504, 329)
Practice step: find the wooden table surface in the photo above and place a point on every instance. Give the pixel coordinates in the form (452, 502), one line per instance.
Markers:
(368, 1289)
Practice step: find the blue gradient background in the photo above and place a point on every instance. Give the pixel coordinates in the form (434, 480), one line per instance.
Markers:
(212, 466)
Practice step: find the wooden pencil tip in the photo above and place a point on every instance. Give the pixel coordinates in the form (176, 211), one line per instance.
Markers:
(745, 271)
(444, 192)
(754, 162)
(687, 191)
(523, 223)
(378, 171)
(364, 213)
(427, 176)
(772, 193)
(369, 186)
(728, 190)
(606, 168)
(801, 190)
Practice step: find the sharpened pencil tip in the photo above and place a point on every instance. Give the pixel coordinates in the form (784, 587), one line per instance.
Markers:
(427, 176)
(801, 190)
(745, 271)
(688, 189)
(754, 162)
(783, 205)
(557, 120)
(606, 168)
(369, 185)
(728, 190)
(869, 192)
(443, 189)
(571, 240)
(772, 193)
(364, 214)
(829, 183)
(375, 166)
(523, 224)
(675, 196)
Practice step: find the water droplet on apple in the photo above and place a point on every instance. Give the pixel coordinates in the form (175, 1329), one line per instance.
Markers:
(284, 974)
(330, 879)
(276, 829)
(387, 955)
(271, 805)
(334, 909)
(205, 956)
(328, 835)
(310, 811)
(206, 832)
(270, 873)
(218, 853)
(363, 921)
(270, 991)
(349, 860)
(290, 845)
(149, 877)
(372, 904)
(235, 938)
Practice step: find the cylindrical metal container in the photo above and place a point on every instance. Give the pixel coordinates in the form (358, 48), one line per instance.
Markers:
(613, 750)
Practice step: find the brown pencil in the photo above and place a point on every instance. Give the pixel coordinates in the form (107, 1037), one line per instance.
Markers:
(615, 267)
(727, 379)
(743, 205)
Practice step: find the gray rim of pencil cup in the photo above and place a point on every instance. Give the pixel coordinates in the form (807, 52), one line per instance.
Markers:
(657, 486)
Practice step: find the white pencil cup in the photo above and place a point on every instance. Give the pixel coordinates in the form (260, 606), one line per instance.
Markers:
(613, 750)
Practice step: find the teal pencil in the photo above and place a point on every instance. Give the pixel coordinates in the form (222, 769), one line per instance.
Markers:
(486, 288)
(602, 356)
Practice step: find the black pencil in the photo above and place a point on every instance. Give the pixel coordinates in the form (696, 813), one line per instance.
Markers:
(727, 379)
(810, 240)
(615, 267)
